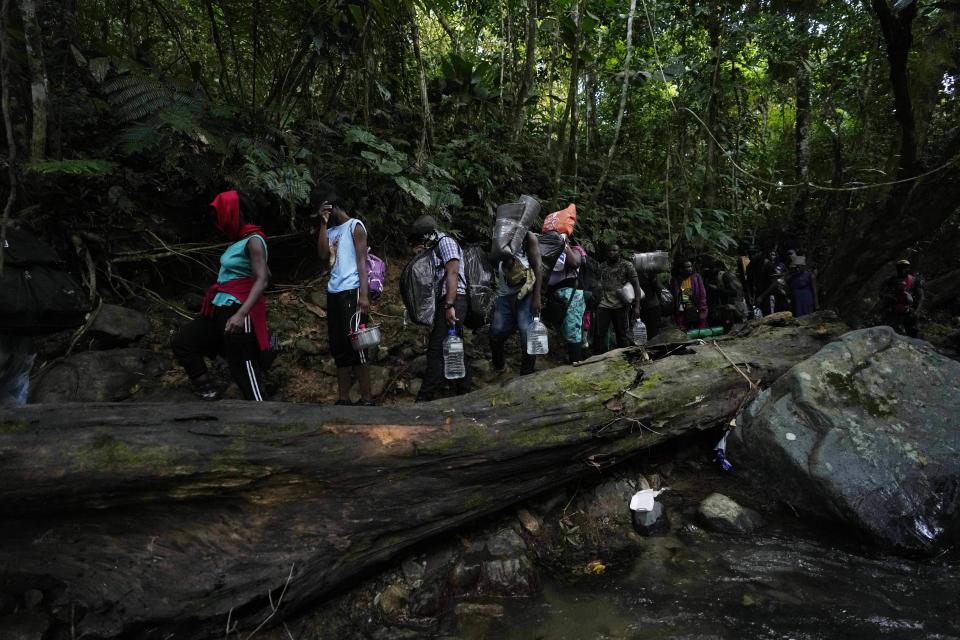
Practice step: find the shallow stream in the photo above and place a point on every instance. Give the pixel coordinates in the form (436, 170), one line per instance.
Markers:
(768, 587)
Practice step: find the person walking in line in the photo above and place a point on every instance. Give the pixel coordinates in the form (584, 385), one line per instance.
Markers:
(517, 303)
(803, 287)
(564, 292)
(614, 308)
(233, 318)
(690, 298)
(901, 297)
(451, 302)
(342, 243)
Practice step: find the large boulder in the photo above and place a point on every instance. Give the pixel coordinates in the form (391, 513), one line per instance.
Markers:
(116, 326)
(864, 432)
(99, 376)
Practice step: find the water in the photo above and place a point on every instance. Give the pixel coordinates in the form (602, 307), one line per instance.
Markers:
(639, 332)
(537, 341)
(751, 588)
(454, 366)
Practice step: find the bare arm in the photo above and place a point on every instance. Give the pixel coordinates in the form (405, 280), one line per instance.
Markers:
(323, 243)
(360, 245)
(572, 257)
(453, 276)
(536, 263)
(258, 262)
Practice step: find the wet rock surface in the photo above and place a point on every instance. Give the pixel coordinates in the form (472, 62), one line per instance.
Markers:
(116, 326)
(863, 433)
(724, 515)
(99, 376)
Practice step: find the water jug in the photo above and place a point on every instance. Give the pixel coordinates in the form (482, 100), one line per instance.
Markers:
(639, 333)
(537, 344)
(454, 366)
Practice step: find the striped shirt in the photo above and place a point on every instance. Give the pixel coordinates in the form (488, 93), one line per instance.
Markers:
(448, 249)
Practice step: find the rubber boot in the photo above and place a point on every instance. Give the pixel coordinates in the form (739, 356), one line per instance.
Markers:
(498, 354)
(528, 364)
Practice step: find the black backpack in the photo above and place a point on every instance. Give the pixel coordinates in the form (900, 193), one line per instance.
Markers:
(37, 294)
(419, 294)
(480, 287)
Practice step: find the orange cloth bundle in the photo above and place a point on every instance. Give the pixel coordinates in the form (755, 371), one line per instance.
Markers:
(561, 221)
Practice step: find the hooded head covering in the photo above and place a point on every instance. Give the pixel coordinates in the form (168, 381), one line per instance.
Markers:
(423, 229)
(226, 217)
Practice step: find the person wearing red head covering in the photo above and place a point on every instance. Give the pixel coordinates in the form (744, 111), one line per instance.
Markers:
(233, 318)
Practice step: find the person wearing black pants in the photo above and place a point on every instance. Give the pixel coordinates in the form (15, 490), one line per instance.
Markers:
(204, 337)
(614, 274)
(433, 380)
(451, 302)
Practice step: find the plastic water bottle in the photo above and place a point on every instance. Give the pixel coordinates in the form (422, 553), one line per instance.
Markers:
(454, 366)
(537, 342)
(639, 333)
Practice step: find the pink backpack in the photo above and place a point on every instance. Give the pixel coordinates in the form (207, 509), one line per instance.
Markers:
(376, 275)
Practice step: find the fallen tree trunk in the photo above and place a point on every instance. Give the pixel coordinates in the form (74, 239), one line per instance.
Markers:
(145, 520)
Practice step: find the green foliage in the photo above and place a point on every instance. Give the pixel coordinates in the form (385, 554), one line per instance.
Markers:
(429, 184)
(276, 171)
(79, 167)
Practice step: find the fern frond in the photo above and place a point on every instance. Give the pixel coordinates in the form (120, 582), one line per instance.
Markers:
(78, 167)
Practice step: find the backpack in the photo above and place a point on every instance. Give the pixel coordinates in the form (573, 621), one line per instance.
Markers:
(37, 295)
(418, 289)
(480, 291)
(419, 293)
(376, 275)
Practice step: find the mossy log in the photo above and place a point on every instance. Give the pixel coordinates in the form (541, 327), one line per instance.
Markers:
(146, 520)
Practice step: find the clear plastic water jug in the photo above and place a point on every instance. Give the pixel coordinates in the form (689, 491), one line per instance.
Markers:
(537, 341)
(454, 366)
(639, 333)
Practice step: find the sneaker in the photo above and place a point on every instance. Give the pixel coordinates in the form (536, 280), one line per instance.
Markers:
(207, 392)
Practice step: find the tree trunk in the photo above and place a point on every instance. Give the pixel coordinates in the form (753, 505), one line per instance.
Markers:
(426, 135)
(7, 125)
(33, 41)
(624, 90)
(157, 519)
(529, 71)
(573, 95)
(802, 141)
(713, 116)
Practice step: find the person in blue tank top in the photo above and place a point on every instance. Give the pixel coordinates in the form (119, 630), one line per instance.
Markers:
(233, 319)
(342, 244)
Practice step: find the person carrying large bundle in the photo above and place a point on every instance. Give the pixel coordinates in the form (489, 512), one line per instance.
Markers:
(233, 318)
(451, 306)
(517, 254)
(566, 302)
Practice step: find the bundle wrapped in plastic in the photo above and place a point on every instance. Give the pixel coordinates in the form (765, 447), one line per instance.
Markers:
(513, 221)
(417, 288)
(551, 248)
(653, 261)
(481, 293)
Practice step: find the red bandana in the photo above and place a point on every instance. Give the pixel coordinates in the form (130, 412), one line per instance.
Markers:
(226, 210)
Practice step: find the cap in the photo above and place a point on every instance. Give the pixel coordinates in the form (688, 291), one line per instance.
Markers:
(903, 262)
(423, 225)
